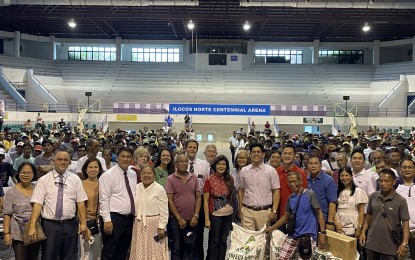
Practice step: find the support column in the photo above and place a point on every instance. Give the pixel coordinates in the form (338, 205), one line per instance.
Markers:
(316, 49)
(16, 51)
(376, 52)
(52, 48)
(118, 46)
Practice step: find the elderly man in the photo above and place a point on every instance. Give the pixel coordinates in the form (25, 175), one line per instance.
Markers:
(59, 197)
(183, 193)
(92, 147)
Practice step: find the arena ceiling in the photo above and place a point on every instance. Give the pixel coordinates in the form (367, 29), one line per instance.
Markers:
(271, 20)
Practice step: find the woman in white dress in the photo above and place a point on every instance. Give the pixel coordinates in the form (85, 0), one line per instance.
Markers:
(151, 205)
(350, 204)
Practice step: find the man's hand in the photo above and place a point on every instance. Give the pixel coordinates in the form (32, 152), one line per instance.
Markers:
(362, 239)
(108, 228)
(322, 241)
(272, 216)
(402, 249)
(330, 227)
(82, 229)
(182, 223)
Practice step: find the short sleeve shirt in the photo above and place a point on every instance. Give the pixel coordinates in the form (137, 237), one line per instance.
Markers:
(396, 209)
(215, 186)
(325, 189)
(258, 183)
(306, 218)
(184, 194)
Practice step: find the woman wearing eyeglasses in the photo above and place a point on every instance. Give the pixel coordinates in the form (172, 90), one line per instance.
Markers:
(17, 210)
(91, 249)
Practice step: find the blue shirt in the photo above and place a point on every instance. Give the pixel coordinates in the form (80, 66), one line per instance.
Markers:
(306, 218)
(326, 190)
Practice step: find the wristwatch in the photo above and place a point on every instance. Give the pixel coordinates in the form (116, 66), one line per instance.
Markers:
(274, 211)
(405, 244)
(323, 232)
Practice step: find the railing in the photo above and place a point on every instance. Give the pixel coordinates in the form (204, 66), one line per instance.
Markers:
(108, 109)
(8, 86)
(37, 71)
(40, 85)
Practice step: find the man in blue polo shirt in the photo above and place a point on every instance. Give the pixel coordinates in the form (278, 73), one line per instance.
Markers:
(325, 188)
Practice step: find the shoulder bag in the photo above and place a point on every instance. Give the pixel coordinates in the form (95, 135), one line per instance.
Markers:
(395, 233)
(290, 226)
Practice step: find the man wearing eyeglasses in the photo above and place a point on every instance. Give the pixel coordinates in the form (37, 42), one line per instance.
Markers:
(59, 197)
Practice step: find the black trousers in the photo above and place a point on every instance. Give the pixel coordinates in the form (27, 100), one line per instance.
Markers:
(218, 235)
(372, 255)
(21, 252)
(180, 250)
(116, 245)
(61, 240)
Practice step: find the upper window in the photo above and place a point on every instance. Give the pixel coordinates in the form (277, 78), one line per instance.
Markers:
(341, 56)
(92, 53)
(155, 54)
(278, 56)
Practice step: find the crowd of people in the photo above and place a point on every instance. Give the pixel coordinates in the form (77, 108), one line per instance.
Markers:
(145, 194)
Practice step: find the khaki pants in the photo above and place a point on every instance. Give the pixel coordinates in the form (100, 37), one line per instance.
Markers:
(256, 220)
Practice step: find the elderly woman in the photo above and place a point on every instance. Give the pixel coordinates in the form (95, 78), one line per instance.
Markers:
(141, 157)
(151, 207)
(17, 210)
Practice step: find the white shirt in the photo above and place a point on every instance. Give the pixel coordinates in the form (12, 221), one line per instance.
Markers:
(367, 153)
(46, 194)
(325, 166)
(201, 170)
(113, 194)
(363, 180)
(151, 201)
(404, 191)
(83, 159)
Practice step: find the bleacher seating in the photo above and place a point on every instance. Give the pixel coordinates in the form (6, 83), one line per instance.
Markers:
(179, 83)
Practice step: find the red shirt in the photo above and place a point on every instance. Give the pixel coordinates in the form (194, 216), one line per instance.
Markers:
(215, 186)
(285, 190)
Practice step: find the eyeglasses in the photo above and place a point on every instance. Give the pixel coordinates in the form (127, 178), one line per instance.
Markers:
(60, 184)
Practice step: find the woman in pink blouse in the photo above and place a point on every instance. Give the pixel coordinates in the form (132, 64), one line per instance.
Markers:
(218, 207)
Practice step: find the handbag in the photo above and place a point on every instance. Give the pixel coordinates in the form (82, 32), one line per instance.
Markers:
(395, 233)
(290, 226)
(40, 235)
(92, 225)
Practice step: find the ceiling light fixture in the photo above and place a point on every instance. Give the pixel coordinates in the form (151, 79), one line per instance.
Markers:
(72, 23)
(190, 25)
(247, 26)
(366, 27)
